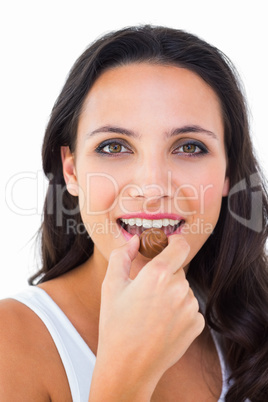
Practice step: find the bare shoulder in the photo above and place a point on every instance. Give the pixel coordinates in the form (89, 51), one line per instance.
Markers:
(29, 360)
(14, 331)
(19, 376)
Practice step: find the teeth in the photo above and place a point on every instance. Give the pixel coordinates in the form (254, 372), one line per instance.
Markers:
(147, 224)
(150, 223)
(165, 222)
(157, 223)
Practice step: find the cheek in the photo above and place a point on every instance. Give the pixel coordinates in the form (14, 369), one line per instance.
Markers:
(97, 193)
(211, 201)
(97, 197)
(202, 197)
(210, 205)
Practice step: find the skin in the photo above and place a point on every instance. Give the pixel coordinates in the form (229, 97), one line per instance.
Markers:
(120, 302)
(191, 186)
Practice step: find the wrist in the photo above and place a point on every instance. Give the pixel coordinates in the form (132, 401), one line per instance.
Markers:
(115, 386)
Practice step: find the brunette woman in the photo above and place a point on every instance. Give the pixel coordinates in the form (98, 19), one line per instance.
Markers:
(150, 130)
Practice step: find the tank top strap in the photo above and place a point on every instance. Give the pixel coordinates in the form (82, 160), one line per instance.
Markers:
(77, 359)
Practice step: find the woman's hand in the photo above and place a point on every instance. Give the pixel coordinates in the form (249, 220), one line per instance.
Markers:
(146, 324)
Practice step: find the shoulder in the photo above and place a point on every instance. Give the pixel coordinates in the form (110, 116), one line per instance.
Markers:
(17, 323)
(19, 377)
(12, 311)
(14, 325)
(24, 352)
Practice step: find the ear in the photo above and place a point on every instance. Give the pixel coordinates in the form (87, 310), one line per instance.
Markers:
(69, 172)
(226, 187)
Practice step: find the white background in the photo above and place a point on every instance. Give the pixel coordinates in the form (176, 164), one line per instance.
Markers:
(40, 41)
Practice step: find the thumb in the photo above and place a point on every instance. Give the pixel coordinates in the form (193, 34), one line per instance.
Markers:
(120, 261)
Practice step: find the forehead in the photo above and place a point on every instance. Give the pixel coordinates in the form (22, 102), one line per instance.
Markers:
(150, 75)
(143, 90)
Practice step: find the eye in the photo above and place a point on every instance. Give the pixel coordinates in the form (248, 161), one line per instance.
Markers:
(112, 147)
(191, 148)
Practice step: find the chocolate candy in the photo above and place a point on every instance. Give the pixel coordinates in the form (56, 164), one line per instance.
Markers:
(152, 242)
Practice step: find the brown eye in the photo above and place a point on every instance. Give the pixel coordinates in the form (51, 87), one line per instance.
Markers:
(114, 148)
(189, 148)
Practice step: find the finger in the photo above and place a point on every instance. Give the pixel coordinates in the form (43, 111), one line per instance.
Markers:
(120, 261)
(173, 256)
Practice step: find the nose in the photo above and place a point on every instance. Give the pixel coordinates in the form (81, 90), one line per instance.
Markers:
(152, 179)
(152, 190)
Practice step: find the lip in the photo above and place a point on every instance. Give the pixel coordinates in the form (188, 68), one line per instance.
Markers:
(128, 235)
(152, 216)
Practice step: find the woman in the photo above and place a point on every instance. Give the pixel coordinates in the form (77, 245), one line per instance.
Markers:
(150, 129)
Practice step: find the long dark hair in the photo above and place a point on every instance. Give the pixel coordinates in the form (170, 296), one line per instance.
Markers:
(232, 265)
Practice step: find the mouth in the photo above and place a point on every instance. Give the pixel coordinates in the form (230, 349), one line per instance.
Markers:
(137, 225)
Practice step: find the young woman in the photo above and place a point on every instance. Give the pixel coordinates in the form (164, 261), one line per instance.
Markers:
(150, 130)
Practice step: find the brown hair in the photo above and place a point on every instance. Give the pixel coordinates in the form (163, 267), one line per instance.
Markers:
(232, 265)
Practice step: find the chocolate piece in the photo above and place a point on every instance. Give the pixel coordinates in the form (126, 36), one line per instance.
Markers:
(152, 242)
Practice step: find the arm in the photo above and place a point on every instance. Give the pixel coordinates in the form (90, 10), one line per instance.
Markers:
(146, 324)
(19, 373)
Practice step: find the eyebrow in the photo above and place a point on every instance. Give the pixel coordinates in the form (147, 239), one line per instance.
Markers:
(176, 131)
(113, 129)
(192, 129)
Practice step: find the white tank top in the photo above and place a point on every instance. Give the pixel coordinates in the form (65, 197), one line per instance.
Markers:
(77, 359)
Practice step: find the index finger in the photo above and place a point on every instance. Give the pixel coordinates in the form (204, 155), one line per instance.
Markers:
(173, 256)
